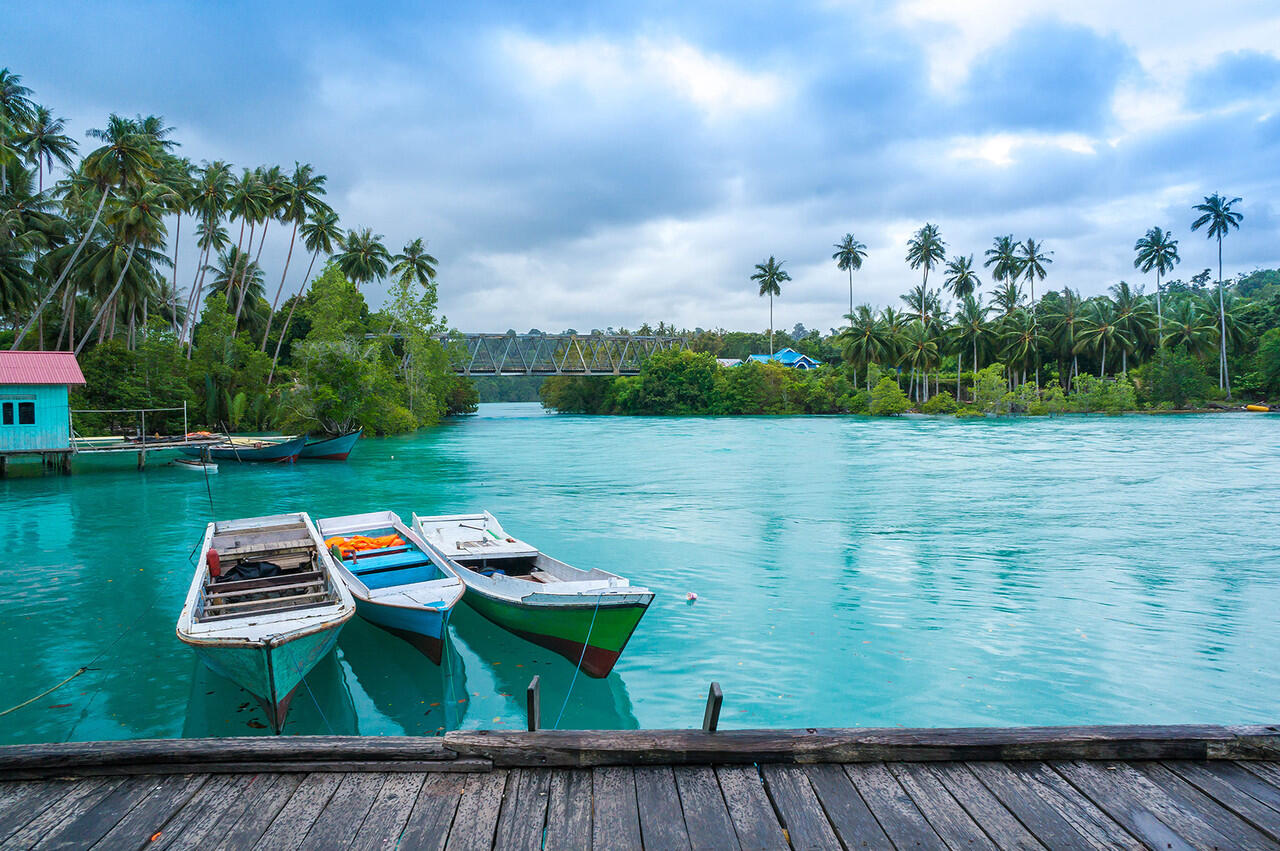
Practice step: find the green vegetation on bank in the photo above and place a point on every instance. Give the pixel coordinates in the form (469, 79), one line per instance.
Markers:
(84, 265)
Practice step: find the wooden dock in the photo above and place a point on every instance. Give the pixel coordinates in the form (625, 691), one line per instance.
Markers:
(1075, 788)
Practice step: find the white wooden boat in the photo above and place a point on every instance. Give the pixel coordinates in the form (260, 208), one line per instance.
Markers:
(195, 466)
(265, 627)
(398, 583)
(587, 616)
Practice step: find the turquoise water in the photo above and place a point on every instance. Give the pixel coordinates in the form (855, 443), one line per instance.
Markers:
(919, 572)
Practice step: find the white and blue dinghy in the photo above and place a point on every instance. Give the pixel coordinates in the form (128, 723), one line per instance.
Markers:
(265, 605)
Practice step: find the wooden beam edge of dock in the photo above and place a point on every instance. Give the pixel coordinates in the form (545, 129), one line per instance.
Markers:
(482, 750)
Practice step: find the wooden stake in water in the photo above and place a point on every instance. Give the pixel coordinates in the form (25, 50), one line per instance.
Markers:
(534, 703)
(711, 717)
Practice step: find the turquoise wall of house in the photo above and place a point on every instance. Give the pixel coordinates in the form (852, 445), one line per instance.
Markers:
(48, 404)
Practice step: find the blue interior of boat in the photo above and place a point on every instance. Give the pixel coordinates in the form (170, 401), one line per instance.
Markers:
(392, 566)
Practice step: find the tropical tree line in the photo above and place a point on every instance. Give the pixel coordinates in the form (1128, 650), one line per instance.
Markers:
(91, 237)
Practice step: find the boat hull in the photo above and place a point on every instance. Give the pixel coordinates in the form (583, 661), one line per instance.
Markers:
(282, 452)
(567, 629)
(423, 628)
(271, 671)
(331, 449)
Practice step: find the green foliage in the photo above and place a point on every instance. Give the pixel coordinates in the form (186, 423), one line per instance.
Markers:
(1176, 378)
(337, 309)
(152, 376)
(888, 400)
(989, 388)
(943, 403)
(968, 411)
(1096, 395)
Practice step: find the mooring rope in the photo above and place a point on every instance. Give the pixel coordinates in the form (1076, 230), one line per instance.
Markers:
(46, 691)
(323, 718)
(578, 668)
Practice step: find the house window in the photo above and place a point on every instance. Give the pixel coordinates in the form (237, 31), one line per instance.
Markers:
(8, 413)
(26, 413)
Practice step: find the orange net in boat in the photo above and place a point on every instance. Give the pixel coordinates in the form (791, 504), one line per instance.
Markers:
(362, 543)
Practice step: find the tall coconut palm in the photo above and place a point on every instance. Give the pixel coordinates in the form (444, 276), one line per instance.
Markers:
(1064, 322)
(1020, 343)
(45, 143)
(1134, 317)
(1216, 212)
(321, 233)
(208, 202)
(962, 280)
(180, 176)
(849, 256)
(894, 324)
(920, 352)
(301, 198)
(970, 330)
(16, 108)
(926, 249)
(771, 275)
(1158, 250)
(1007, 299)
(414, 263)
(1032, 259)
(275, 188)
(863, 341)
(1004, 256)
(365, 257)
(250, 201)
(1193, 326)
(126, 159)
(1098, 331)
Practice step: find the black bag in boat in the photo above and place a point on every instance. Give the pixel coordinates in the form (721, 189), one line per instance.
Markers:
(251, 570)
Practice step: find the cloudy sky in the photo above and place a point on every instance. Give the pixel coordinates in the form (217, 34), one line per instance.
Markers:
(585, 167)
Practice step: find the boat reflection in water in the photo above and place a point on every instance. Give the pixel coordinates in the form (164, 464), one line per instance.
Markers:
(322, 706)
(398, 690)
(595, 704)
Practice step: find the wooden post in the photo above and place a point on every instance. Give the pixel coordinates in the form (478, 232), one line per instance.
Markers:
(4, 465)
(711, 717)
(142, 459)
(534, 703)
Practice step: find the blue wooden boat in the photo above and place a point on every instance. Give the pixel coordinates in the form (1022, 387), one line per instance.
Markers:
(331, 448)
(252, 450)
(265, 606)
(402, 587)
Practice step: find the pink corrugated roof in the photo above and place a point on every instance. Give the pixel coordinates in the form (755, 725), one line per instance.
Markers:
(39, 368)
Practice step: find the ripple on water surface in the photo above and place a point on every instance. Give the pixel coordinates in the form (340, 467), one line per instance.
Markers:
(923, 572)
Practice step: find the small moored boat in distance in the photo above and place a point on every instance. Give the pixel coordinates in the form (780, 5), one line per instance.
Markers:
(586, 616)
(195, 466)
(278, 450)
(331, 448)
(397, 582)
(265, 605)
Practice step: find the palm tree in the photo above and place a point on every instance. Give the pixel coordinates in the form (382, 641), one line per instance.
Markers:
(1133, 316)
(1157, 250)
(321, 233)
(250, 201)
(1032, 261)
(275, 191)
(1193, 326)
(920, 351)
(863, 342)
(365, 257)
(926, 249)
(1065, 321)
(770, 274)
(849, 256)
(962, 280)
(45, 142)
(414, 263)
(16, 108)
(301, 198)
(1216, 212)
(127, 159)
(180, 177)
(1007, 299)
(1098, 329)
(970, 330)
(1021, 340)
(894, 325)
(1003, 254)
(209, 201)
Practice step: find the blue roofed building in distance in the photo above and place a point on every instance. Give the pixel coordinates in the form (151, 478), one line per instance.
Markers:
(787, 357)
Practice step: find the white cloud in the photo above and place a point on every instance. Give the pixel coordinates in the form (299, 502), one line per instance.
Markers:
(1001, 149)
(614, 71)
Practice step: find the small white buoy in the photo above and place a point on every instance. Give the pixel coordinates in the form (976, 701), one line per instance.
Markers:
(691, 597)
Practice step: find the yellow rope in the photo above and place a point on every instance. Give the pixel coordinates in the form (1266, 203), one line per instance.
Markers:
(43, 693)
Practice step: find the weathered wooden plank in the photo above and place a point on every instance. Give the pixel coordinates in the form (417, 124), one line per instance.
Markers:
(615, 817)
(389, 814)
(89, 825)
(569, 810)
(706, 816)
(247, 819)
(1140, 806)
(524, 810)
(82, 795)
(340, 820)
(944, 814)
(850, 817)
(797, 806)
(754, 820)
(188, 827)
(1268, 771)
(1023, 799)
(1229, 786)
(658, 802)
(694, 747)
(476, 819)
(148, 818)
(1241, 778)
(20, 802)
(70, 757)
(984, 808)
(1077, 808)
(428, 824)
(893, 807)
(1210, 811)
(295, 818)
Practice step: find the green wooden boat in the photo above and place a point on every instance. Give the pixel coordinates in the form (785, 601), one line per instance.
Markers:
(587, 616)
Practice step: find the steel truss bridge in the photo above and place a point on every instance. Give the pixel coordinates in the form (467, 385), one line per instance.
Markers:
(555, 354)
